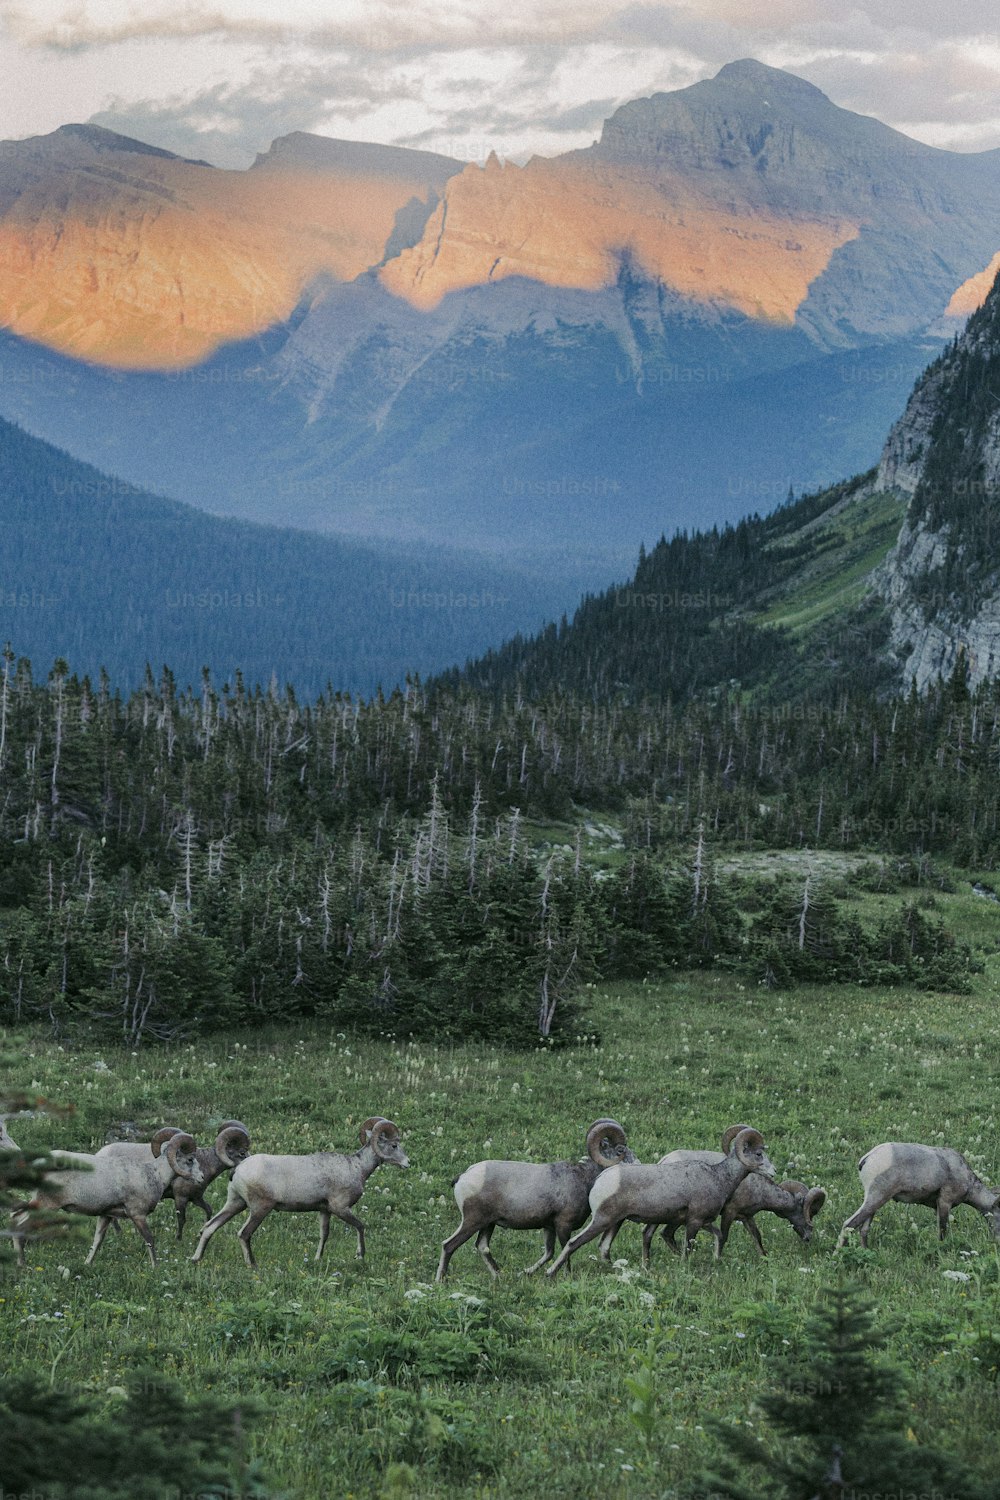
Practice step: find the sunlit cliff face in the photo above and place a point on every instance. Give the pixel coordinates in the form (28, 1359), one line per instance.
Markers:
(972, 293)
(570, 225)
(141, 261)
(149, 262)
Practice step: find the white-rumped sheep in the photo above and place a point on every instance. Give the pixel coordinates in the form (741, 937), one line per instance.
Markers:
(935, 1176)
(232, 1145)
(325, 1183)
(687, 1192)
(123, 1185)
(551, 1196)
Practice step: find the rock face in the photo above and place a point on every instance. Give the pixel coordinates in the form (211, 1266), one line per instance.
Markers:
(941, 581)
(121, 254)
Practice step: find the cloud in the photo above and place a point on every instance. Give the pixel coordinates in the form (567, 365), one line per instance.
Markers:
(229, 124)
(465, 76)
(378, 25)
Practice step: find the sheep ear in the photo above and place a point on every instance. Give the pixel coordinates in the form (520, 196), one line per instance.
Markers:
(815, 1199)
(161, 1138)
(385, 1138)
(604, 1140)
(365, 1132)
(730, 1135)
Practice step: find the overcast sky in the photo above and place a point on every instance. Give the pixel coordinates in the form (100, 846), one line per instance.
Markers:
(221, 78)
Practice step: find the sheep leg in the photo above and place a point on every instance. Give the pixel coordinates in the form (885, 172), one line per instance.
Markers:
(647, 1239)
(752, 1231)
(669, 1237)
(232, 1208)
(483, 1246)
(182, 1203)
(103, 1225)
(143, 1228)
(608, 1239)
(462, 1233)
(252, 1224)
(324, 1231)
(861, 1221)
(591, 1232)
(355, 1223)
(944, 1208)
(547, 1253)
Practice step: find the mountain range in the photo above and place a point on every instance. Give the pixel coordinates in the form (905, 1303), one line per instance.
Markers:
(729, 294)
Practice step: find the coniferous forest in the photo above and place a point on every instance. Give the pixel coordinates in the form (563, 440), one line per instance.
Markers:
(181, 859)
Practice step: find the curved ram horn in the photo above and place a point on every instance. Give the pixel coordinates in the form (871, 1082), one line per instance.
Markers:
(730, 1135)
(366, 1129)
(815, 1198)
(177, 1143)
(161, 1138)
(232, 1145)
(603, 1137)
(385, 1135)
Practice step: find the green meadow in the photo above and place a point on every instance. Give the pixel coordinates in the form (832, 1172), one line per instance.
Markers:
(368, 1380)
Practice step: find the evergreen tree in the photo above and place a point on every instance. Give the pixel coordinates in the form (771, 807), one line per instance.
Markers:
(838, 1422)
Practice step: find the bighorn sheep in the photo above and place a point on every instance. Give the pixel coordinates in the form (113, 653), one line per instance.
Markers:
(756, 1194)
(323, 1183)
(232, 1145)
(935, 1176)
(119, 1185)
(682, 1192)
(527, 1195)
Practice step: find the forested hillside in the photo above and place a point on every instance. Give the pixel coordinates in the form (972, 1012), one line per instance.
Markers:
(95, 569)
(176, 859)
(708, 610)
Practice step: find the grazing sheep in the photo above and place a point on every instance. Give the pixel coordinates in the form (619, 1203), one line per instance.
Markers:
(756, 1194)
(232, 1145)
(118, 1185)
(528, 1195)
(323, 1183)
(688, 1192)
(935, 1176)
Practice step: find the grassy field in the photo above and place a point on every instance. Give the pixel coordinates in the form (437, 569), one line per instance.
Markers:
(519, 1388)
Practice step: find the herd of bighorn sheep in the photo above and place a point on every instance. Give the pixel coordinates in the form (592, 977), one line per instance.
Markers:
(573, 1202)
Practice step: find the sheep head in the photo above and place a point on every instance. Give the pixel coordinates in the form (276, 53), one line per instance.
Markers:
(232, 1144)
(806, 1202)
(387, 1145)
(992, 1216)
(607, 1144)
(180, 1151)
(748, 1146)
